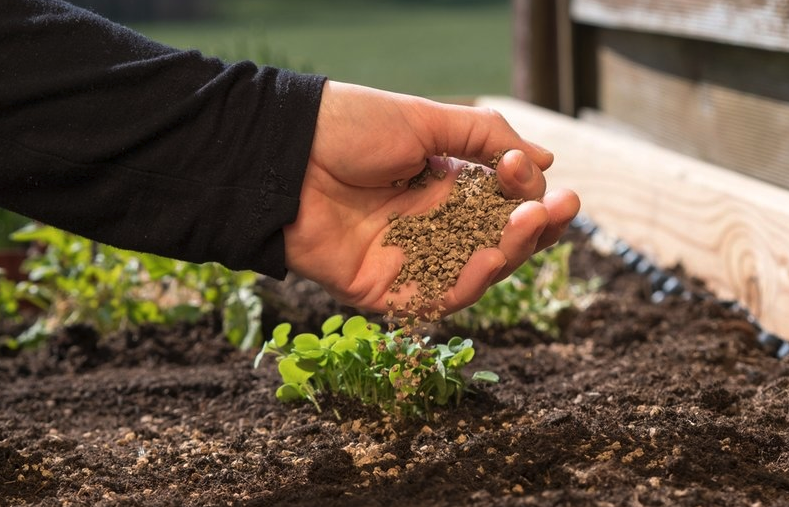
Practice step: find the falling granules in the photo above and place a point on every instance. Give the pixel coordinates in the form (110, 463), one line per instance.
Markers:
(439, 243)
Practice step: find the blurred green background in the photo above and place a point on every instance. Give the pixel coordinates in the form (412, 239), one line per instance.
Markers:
(430, 47)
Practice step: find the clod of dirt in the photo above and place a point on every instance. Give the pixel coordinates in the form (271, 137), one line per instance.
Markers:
(437, 244)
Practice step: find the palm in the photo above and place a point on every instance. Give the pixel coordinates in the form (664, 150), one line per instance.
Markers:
(343, 237)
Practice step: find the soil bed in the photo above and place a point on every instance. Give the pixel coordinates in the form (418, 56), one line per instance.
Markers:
(637, 404)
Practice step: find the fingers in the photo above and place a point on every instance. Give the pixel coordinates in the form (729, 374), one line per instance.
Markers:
(519, 177)
(532, 227)
(476, 276)
(539, 155)
(490, 265)
(520, 236)
(562, 206)
(473, 133)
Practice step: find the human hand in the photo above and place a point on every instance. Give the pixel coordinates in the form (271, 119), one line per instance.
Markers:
(366, 139)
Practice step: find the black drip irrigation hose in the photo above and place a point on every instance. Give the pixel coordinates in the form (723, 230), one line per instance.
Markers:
(664, 284)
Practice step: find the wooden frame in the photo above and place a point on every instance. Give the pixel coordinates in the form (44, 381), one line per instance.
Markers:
(745, 23)
(730, 230)
(706, 78)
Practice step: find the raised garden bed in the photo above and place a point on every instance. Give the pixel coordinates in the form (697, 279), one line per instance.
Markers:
(638, 403)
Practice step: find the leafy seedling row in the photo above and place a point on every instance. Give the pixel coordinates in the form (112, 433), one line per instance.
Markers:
(354, 358)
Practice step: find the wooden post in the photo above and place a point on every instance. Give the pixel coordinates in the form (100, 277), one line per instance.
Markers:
(565, 58)
(534, 65)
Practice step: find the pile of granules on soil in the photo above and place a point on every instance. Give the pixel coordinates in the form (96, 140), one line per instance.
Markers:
(437, 244)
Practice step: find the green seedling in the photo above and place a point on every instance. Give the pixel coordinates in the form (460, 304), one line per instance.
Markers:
(9, 304)
(75, 280)
(540, 291)
(356, 358)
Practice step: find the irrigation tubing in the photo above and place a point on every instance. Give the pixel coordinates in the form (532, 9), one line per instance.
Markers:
(664, 284)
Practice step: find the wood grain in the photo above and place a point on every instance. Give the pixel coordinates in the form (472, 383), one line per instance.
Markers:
(728, 229)
(534, 58)
(723, 104)
(762, 24)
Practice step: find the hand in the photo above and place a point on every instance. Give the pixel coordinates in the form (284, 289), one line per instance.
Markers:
(365, 139)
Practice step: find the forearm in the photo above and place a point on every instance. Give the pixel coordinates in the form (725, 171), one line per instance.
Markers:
(145, 147)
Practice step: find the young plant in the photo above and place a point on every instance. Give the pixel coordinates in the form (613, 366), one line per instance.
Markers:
(75, 280)
(539, 291)
(9, 304)
(355, 358)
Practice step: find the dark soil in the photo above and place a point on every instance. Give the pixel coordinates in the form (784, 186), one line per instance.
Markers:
(638, 404)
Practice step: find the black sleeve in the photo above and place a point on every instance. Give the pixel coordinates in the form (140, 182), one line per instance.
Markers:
(114, 137)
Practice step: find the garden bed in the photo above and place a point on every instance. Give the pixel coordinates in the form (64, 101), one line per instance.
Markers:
(636, 404)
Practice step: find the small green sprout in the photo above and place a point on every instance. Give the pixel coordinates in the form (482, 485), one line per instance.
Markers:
(355, 358)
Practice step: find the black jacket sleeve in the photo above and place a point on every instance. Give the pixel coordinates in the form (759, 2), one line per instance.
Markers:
(114, 137)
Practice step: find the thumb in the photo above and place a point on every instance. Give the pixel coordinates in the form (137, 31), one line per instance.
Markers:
(479, 134)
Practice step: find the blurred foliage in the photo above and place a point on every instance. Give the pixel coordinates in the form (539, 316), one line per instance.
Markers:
(255, 49)
(10, 222)
(540, 292)
(131, 11)
(431, 48)
(9, 303)
(75, 280)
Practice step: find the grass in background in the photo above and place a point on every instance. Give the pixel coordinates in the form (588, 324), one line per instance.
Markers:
(423, 48)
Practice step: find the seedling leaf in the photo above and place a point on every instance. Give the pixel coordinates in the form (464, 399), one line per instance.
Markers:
(328, 341)
(357, 326)
(462, 358)
(259, 356)
(306, 341)
(281, 333)
(310, 354)
(291, 372)
(454, 343)
(345, 344)
(485, 376)
(289, 392)
(331, 324)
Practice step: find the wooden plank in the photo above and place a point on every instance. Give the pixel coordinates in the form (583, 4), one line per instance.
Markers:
(565, 58)
(728, 229)
(762, 24)
(534, 62)
(542, 56)
(724, 104)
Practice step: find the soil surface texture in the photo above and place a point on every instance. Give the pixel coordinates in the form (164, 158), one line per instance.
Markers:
(637, 404)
